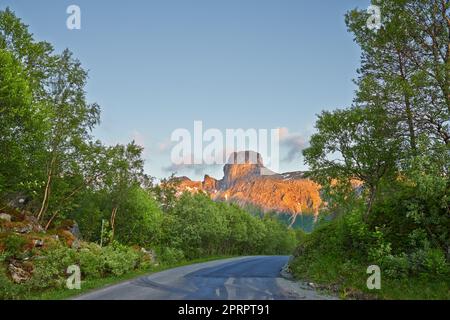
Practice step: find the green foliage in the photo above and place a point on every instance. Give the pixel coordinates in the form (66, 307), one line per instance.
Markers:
(13, 245)
(50, 271)
(139, 219)
(356, 143)
(94, 261)
(395, 140)
(119, 259)
(199, 226)
(15, 100)
(91, 261)
(9, 290)
(169, 256)
(166, 193)
(337, 254)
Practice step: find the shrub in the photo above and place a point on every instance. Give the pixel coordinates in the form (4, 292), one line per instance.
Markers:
(9, 290)
(429, 261)
(50, 268)
(91, 261)
(119, 259)
(14, 245)
(396, 266)
(168, 256)
(379, 247)
(435, 262)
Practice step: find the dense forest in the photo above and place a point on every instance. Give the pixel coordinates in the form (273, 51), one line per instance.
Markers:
(395, 141)
(54, 175)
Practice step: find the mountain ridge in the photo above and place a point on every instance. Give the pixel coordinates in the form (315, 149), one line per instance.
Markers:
(247, 181)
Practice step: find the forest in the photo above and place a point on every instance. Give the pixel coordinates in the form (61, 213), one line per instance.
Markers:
(383, 163)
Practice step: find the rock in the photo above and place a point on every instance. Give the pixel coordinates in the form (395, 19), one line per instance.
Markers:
(246, 181)
(75, 230)
(27, 228)
(35, 225)
(18, 272)
(18, 200)
(67, 236)
(38, 243)
(209, 183)
(5, 217)
(151, 255)
(76, 244)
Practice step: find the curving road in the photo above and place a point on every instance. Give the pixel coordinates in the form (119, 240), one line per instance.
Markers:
(244, 278)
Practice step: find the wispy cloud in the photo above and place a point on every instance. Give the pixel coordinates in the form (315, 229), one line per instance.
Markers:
(197, 169)
(293, 143)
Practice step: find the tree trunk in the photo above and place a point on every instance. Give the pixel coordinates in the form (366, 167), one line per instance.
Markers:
(372, 192)
(409, 117)
(44, 204)
(113, 220)
(408, 107)
(447, 55)
(292, 219)
(50, 221)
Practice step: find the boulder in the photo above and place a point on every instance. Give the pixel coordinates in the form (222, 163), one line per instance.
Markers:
(35, 225)
(23, 228)
(71, 227)
(5, 217)
(18, 200)
(19, 272)
(67, 237)
(150, 254)
(37, 243)
(75, 230)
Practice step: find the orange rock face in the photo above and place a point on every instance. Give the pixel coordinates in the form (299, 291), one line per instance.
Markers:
(250, 183)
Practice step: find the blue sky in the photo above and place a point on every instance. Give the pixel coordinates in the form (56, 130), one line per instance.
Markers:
(156, 66)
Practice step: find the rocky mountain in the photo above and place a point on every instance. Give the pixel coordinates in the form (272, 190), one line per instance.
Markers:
(247, 181)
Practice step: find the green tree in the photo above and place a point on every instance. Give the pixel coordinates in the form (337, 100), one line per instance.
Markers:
(356, 143)
(407, 64)
(72, 119)
(139, 221)
(15, 101)
(199, 224)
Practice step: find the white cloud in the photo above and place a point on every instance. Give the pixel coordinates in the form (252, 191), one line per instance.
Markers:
(293, 143)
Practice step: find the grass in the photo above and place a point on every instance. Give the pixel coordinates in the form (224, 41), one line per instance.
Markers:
(99, 283)
(348, 279)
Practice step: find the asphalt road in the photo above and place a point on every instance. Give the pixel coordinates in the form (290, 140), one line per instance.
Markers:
(244, 278)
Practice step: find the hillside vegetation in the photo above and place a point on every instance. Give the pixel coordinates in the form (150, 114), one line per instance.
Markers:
(395, 139)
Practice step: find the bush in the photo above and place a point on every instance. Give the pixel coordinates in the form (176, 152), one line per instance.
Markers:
(168, 256)
(379, 247)
(51, 265)
(396, 266)
(50, 268)
(119, 259)
(139, 219)
(91, 261)
(9, 290)
(429, 261)
(14, 245)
